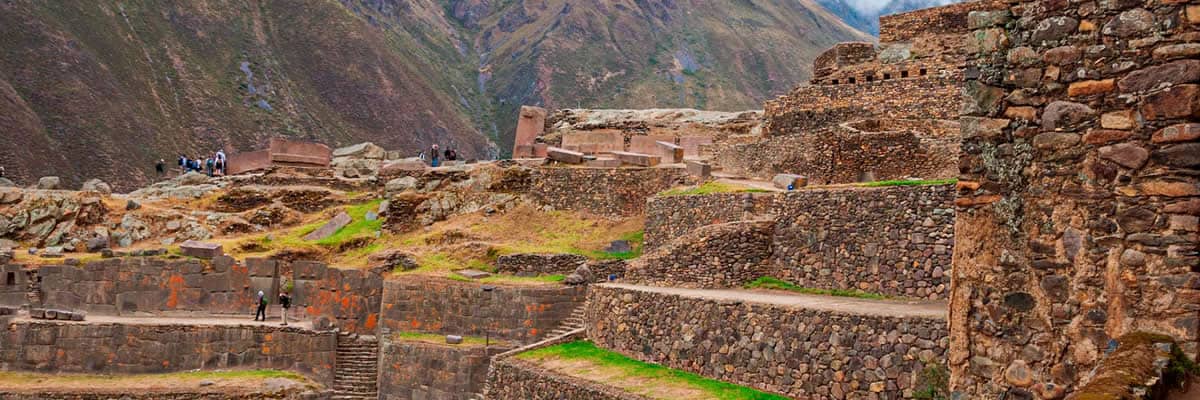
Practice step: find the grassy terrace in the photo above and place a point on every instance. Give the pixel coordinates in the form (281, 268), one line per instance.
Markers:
(235, 380)
(779, 284)
(433, 338)
(584, 360)
(710, 187)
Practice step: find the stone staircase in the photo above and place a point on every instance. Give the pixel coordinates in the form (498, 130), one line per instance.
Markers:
(356, 372)
(571, 328)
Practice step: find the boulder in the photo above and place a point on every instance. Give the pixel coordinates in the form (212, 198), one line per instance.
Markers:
(132, 205)
(399, 185)
(565, 156)
(404, 165)
(575, 279)
(366, 150)
(454, 339)
(330, 228)
(96, 185)
(394, 259)
(97, 243)
(53, 252)
(192, 179)
(473, 273)
(585, 272)
(49, 183)
(356, 167)
(5, 182)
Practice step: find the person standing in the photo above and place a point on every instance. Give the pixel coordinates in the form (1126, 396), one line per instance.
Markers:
(262, 306)
(221, 162)
(285, 302)
(435, 157)
(160, 167)
(183, 163)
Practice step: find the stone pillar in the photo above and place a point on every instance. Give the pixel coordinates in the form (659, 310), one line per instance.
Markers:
(1079, 191)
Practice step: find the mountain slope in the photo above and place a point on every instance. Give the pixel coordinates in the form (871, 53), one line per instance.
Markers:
(724, 55)
(117, 85)
(103, 88)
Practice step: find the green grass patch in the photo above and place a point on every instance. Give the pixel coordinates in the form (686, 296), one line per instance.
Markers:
(643, 371)
(710, 187)
(636, 241)
(910, 182)
(441, 339)
(767, 282)
(358, 227)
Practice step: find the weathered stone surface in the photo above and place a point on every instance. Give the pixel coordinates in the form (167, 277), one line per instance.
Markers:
(671, 153)
(1087, 88)
(565, 156)
(1185, 155)
(702, 170)
(1133, 22)
(1055, 140)
(530, 125)
(399, 185)
(1054, 28)
(1180, 101)
(96, 185)
(1172, 73)
(1177, 133)
(330, 228)
(1128, 155)
(1062, 55)
(362, 150)
(49, 183)
(1065, 114)
(638, 159)
(203, 250)
(1124, 119)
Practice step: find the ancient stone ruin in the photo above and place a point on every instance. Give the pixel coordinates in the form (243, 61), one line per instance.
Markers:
(1000, 200)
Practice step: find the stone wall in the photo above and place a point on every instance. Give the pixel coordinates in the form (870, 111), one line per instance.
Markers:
(669, 217)
(520, 314)
(1080, 194)
(714, 256)
(417, 370)
(934, 96)
(516, 379)
(886, 149)
(950, 19)
(103, 348)
(602, 191)
(14, 285)
(797, 352)
(539, 264)
(158, 286)
(896, 241)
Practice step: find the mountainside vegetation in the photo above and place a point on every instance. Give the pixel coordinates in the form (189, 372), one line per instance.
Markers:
(103, 89)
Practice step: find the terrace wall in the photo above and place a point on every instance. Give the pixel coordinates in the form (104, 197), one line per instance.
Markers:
(602, 191)
(517, 314)
(157, 286)
(797, 352)
(416, 370)
(515, 379)
(132, 349)
(895, 241)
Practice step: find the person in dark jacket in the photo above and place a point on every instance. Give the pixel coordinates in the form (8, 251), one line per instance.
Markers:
(285, 302)
(160, 167)
(262, 307)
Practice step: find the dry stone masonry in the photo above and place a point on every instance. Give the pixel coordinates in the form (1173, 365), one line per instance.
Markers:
(798, 352)
(1079, 197)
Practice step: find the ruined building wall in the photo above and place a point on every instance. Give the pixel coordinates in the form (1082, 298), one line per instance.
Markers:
(896, 241)
(808, 107)
(798, 352)
(1079, 199)
(520, 314)
(602, 191)
(887, 149)
(132, 349)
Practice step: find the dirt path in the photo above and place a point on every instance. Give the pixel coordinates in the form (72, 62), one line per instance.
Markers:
(887, 308)
(248, 320)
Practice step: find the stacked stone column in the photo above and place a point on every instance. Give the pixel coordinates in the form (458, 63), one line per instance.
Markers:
(1079, 191)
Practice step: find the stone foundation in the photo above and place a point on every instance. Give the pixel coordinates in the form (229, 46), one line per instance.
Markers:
(715, 256)
(792, 351)
(108, 348)
(518, 314)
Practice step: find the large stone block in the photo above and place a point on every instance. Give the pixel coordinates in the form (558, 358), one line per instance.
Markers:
(671, 153)
(296, 152)
(638, 159)
(337, 223)
(203, 250)
(565, 156)
(648, 144)
(699, 169)
(692, 145)
(530, 124)
(591, 142)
